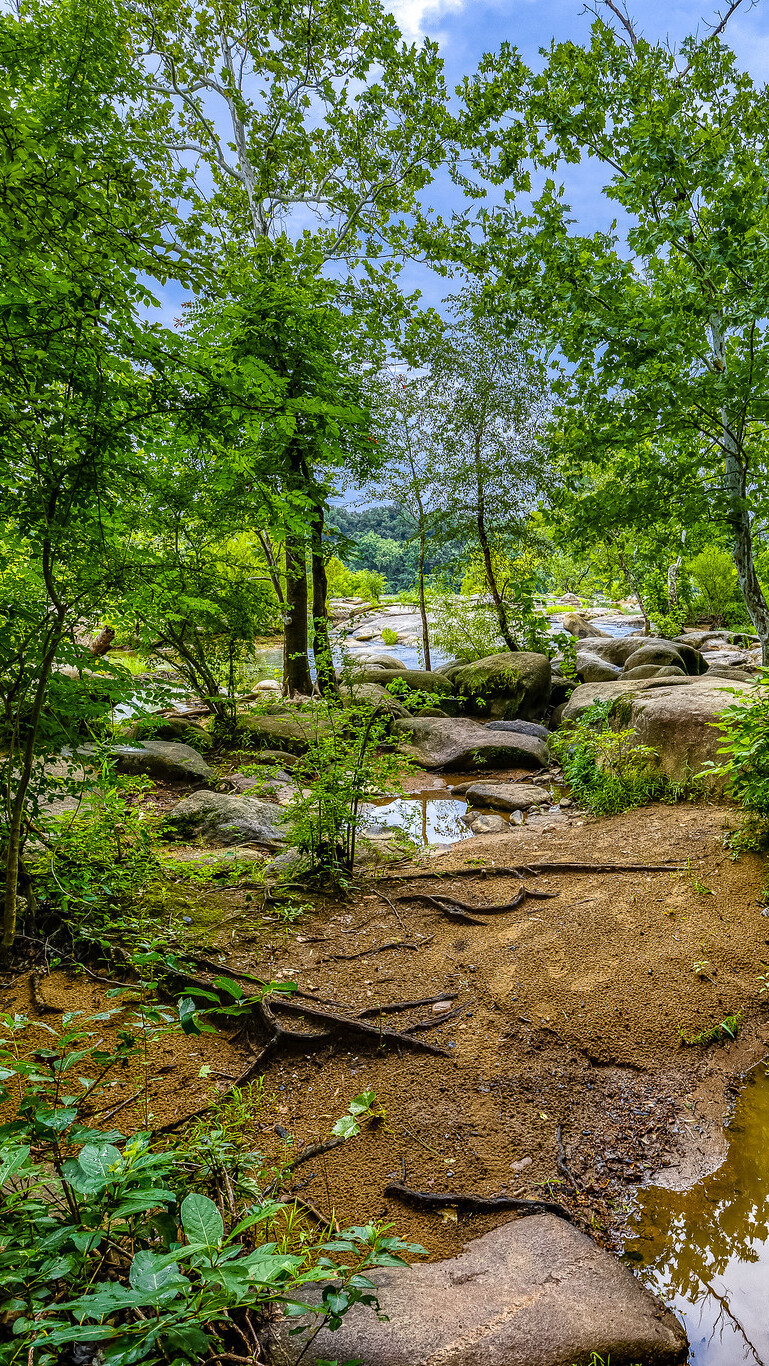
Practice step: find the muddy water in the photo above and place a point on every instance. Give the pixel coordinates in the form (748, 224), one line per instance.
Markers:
(706, 1250)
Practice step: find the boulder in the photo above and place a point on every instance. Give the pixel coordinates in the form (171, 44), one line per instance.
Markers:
(615, 650)
(570, 600)
(592, 669)
(170, 728)
(679, 722)
(464, 744)
(506, 796)
(376, 695)
(161, 759)
(506, 686)
(379, 658)
(520, 728)
(485, 823)
(294, 732)
(226, 819)
(415, 678)
(578, 625)
(659, 651)
(535, 1292)
(365, 633)
(584, 696)
(655, 671)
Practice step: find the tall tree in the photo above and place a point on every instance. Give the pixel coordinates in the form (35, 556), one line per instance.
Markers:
(662, 321)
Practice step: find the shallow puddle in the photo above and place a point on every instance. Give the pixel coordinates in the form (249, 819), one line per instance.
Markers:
(706, 1250)
(428, 817)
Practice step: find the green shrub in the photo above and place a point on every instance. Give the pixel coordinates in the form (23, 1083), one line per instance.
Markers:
(109, 1245)
(745, 730)
(353, 583)
(606, 770)
(415, 700)
(389, 636)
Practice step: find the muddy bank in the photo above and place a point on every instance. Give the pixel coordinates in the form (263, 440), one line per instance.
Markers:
(565, 1016)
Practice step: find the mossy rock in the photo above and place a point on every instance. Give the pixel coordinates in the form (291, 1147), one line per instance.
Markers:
(295, 733)
(505, 687)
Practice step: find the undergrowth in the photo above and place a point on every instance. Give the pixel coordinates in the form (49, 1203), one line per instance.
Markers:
(606, 769)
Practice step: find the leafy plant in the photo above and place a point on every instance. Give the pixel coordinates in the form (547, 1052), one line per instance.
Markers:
(389, 636)
(714, 574)
(415, 700)
(108, 1241)
(362, 1107)
(343, 763)
(606, 769)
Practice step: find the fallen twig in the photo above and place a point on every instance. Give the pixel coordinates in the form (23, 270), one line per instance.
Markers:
(473, 1204)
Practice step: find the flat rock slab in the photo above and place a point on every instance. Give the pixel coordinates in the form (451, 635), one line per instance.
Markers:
(443, 742)
(506, 796)
(535, 1292)
(227, 819)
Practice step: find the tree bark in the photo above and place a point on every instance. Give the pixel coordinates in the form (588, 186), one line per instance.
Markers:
(321, 641)
(296, 668)
(16, 821)
(480, 520)
(422, 604)
(273, 568)
(673, 572)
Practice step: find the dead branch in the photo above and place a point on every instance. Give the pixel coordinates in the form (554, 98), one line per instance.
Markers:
(317, 1150)
(473, 1204)
(357, 1027)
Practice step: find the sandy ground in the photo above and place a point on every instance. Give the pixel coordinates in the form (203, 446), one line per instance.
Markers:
(569, 1017)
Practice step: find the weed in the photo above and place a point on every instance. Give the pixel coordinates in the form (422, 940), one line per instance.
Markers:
(362, 1107)
(389, 636)
(607, 771)
(728, 1028)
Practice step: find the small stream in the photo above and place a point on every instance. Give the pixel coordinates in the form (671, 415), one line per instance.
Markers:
(706, 1250)
(427, 817)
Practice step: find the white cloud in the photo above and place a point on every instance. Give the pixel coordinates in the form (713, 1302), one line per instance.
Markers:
(419, 17)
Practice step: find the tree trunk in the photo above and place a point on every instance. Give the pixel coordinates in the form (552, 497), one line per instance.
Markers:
(296, 668)
(321, 642)
(480, 519)
(15, 824)
(272, 565)
(422, 605)
(635, 590)
(673, 572)
(100, 645)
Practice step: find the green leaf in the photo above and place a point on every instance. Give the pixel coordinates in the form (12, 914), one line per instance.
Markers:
(97, 1161)
(346, 1127)
(201, 1220)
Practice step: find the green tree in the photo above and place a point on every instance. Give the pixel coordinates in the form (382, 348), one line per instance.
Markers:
(661, 319)
(80, 236)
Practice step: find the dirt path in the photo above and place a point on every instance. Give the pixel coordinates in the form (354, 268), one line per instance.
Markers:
(569, 1018)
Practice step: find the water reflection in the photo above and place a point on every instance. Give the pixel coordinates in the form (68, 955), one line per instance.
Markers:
(428, 819)
(706, 1250)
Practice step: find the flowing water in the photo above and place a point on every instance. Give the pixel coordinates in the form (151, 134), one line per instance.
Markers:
(706, 1250)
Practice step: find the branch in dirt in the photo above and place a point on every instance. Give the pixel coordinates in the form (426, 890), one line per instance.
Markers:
(460, 910)
(397, 1006)
(532, 869)
(473, 1204)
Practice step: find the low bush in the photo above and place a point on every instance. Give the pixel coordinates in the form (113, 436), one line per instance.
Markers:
(113, 1250)
(389, 636)
(606, 769)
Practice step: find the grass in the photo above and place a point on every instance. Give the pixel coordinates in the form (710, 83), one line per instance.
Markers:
(728, 1028)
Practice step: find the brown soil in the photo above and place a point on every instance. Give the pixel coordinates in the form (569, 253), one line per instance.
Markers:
(571, 1011)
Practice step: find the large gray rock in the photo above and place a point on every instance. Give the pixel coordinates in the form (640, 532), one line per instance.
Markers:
(658, 651)
(485, 823)
(424, 679)
(294, 732)
(226, 819)
(680, 722)
(592, 669)
(615, 650)
(161, 759)
(653, 671)
(584, 696)
(535, 1292)
(506, 686)
(520, 728)
(379, 658)
(579, 626)
(506, 796)
(443, 742)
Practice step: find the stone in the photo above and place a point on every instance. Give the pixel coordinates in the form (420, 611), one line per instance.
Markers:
(365, 633)
(293, 732)
(268, 685)
(161, 759)
(424, 679)
(584, 696)
(376, 657)
(507, 686)
(570, 600)
(376, 695)
(592, 669)
(520, 728)
(506, 796)
(277, 756)
(226, 819)
(581, 627)
(170, 728)
(659, 651)
(454, 743)
(679, 723)
(483, 823)
(653, 671)
(615, 650)
(535, 1292)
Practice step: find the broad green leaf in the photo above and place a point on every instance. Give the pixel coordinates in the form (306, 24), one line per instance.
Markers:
(201, 1220)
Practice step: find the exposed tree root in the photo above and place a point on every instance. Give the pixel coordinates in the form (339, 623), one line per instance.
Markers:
(358, 1027)
(398, 1006)
(473, 1204)
(364, 953)
(42, 1006)
(450, 904)
(423, 1025)
(532, 869)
